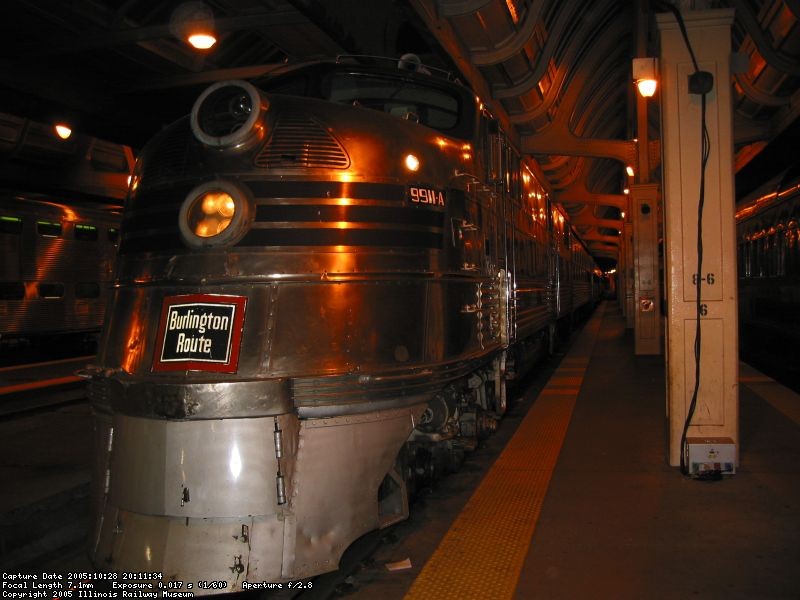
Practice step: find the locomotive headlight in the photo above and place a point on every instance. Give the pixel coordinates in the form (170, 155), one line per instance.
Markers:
(216, 213)
(229, 115)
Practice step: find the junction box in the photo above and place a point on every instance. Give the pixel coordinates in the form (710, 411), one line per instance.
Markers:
(706, 455)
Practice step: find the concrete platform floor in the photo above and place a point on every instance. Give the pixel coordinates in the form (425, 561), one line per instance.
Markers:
(618, 522)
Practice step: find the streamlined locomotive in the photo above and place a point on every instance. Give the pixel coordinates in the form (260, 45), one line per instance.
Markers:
(323, 285)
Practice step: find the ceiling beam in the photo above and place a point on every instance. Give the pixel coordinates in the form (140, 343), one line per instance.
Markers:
(773, 57)
(457, 8)
(591, 236)
(514, 44)
(562, 141)
(593, 221)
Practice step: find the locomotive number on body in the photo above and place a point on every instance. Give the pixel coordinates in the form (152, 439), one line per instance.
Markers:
(423, 195)
(199, 332)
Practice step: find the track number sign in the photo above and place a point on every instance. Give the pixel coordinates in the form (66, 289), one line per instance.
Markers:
(200, 332)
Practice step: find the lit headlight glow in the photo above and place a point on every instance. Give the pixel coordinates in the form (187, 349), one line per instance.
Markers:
(211, 213)
(215, 213)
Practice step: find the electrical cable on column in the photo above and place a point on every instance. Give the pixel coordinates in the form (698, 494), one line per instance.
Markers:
(700, 82)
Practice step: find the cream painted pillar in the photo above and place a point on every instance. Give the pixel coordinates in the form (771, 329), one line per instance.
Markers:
(717, 411)
(630, 308)
(647, 296)
(621, 270)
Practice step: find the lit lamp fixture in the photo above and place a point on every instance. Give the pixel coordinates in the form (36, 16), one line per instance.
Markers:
(63, 131)
(644, 75)
(629, 170)
(193, 22)
(201, 41)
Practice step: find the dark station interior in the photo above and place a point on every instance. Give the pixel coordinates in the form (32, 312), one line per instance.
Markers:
(400, 299)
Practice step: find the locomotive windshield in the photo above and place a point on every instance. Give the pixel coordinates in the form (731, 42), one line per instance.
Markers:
(441, 107)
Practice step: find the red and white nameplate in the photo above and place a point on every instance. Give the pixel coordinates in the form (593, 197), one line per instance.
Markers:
(200, 332)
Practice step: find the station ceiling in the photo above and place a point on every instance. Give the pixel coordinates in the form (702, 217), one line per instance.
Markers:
(551, 70)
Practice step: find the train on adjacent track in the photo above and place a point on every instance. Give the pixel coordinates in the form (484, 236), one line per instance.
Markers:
(57, 268)
(324, 283)
(768, 243)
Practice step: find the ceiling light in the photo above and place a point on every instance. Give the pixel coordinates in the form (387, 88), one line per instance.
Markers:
(63, 131)
(645, 76)
(201, 41)
(193, 22)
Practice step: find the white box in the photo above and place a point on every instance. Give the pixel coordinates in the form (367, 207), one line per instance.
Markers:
(707, 455)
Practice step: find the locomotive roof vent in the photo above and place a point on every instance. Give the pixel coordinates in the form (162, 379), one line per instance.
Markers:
(228, 115)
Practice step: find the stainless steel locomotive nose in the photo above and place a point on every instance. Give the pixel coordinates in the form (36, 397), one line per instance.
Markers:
(229, 114)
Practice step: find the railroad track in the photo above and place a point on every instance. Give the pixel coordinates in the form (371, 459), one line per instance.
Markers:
(40, 385)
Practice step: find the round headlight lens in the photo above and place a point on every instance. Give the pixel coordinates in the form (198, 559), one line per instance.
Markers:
(211, 213)
(228, 114)
(215, 213)
(224, 111)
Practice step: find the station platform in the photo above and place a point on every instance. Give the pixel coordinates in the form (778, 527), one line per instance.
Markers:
(582, 503)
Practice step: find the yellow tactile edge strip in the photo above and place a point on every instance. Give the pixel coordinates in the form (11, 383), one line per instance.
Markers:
(482, 554)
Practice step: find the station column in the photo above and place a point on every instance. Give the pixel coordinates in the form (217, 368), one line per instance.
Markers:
(716, 413)
(628, 264)
(647, 296)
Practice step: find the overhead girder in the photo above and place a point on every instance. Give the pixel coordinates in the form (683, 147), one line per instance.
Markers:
(595, 222)
(749, 130)
(598, 237)
(556, 162)
(457, 8)
(600, 95)
(515, 42)
(757, 96)
(774, 58)
(560, 141)
(600, 175)
(579, 193)
(557, 35)
(568, 174)
(563, 77)
(577, 77)
(558, 138)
